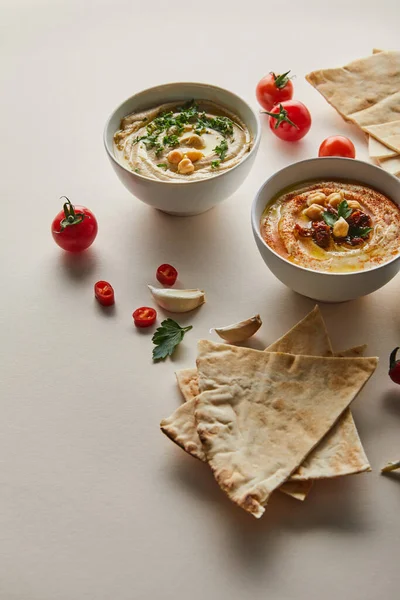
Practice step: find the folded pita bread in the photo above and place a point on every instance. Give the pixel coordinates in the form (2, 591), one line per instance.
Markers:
(377, 150)
(386, 133)
(259, 414)
(391, 165)
(366, 91)
(309, 334)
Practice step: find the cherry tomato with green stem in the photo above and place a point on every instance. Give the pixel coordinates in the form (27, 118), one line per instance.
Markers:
(290, 121)
(74, 228)
(273, 89)
(394, 366)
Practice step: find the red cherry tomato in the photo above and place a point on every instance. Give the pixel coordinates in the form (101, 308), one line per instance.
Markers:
(144, 316)
(273, 89)
(104, 293)
(337, 145)
(290, 121)
(167, 274)
(74, 228)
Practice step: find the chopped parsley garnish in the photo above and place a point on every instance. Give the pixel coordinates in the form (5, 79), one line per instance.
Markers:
(171, 140)
(215, 164)
(167, 337)
(162, 165)
(221, 149)
(172, 126)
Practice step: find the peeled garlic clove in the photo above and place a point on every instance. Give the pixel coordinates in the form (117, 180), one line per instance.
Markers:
(238, 332)
(178, 301)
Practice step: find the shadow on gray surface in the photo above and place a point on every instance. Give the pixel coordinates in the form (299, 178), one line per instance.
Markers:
(331, 506)
(391, 401)
(78, 266)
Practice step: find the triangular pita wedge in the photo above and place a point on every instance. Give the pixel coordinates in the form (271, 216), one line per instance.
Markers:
(298, 490)
(391, 165)
(386, 133)
(308, 334)
(352, 352)
(259, 414)
(366, 91)
(188, 383)
(377, 150)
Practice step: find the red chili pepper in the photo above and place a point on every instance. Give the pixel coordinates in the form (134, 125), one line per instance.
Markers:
(394, 367)
(104, 293)
(167, 274)
(144, 316)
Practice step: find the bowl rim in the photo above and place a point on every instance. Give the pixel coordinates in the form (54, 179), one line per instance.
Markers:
(256, 226)
(254, 148)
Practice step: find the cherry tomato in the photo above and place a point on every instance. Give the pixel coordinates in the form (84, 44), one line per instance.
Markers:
(394, 366)
(337, 145)
(144, 316)
(167, 274)
(290, 121)
(104, 293)
(74, 228)
(273, 89)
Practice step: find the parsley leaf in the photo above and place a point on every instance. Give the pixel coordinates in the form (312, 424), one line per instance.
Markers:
(344, 210)
(359, 231)
(171, 140)
(167, 337)
(222, 149)
(215, 164)
(329, 218)
(162, 165)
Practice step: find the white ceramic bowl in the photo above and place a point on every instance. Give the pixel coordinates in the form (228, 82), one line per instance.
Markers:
(193, 197)
(326, 287)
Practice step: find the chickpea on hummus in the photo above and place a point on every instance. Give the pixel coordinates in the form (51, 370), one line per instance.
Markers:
(333, 226)
(182, 142)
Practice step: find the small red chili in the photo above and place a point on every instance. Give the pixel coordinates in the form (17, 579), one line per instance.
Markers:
(167, 274)
(104, 293)
(394, 367)
(144, 316)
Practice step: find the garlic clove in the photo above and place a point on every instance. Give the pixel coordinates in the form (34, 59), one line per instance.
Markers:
(238, 332)
(178, 301)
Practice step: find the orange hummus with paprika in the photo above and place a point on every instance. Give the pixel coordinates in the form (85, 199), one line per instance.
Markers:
(333, 226)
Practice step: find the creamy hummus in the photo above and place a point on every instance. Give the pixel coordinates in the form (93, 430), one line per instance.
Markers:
(333, 226)
(182, 142)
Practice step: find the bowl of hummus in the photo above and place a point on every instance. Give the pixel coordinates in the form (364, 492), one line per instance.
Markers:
(182, 147)
(329, 228)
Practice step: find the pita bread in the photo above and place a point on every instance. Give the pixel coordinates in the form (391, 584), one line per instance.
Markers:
(352, 352)
(188, 383)
(366, 91)
(387, 133)
(391, 165)
(259, 414)
(298, 490)
(377, 150)
(308, 334)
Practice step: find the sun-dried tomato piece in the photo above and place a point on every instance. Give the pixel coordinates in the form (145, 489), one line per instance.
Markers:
(321, 234)
(356, 241)
(303, 231)
(359, 219)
